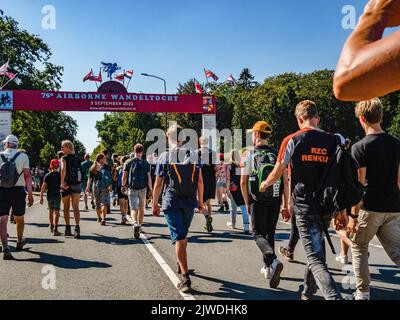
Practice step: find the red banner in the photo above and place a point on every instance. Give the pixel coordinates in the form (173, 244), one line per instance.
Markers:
(105, 102)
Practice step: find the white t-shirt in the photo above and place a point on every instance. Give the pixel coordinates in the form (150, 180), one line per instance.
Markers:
(22, 162)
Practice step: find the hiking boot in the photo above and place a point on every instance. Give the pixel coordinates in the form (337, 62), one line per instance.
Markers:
(93, 205)
(7, 255)
(185, 285)
(289, 256)
(20, 244)
(103, 222)
(276, 270)
(68, 232)
(360, 296)
(266, 272)
(136, 231)
(221, 209)
(77, 232)
(208, 225)
(56, 233)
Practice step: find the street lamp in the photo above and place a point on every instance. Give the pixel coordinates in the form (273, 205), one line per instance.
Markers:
(165, 92)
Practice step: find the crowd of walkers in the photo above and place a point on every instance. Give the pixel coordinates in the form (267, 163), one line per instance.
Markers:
(259, 181)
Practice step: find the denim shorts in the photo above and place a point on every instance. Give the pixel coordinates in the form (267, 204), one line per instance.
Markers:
(54, 204)
(179, 221)
(137, 198)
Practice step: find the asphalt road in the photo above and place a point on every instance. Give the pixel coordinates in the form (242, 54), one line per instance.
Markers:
(108, 263)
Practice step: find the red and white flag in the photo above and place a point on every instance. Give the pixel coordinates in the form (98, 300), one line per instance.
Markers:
(99, 78)
(129, 74)
(89, 76)
(4, 69)
(10, 75)
(231, 80)
(198, 87)
(120, 77)
(210, 74)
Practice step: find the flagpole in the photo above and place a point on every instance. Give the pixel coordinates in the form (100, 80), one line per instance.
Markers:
(127, 87)
(8, 82)
(2, 81)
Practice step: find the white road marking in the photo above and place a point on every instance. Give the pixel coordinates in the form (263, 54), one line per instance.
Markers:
(166, 268)
(336, 236)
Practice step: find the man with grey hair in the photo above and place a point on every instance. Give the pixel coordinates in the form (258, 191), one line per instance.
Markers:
(14, 176)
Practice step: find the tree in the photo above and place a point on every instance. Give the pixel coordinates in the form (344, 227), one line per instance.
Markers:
(246, 79)
(29, 57)
(47, 154)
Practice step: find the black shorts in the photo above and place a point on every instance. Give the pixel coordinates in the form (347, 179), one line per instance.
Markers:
(120, 195)
(209, 192)
(73, 189)
(12, 198)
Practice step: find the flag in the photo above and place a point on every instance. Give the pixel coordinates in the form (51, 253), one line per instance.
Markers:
(120, 77)
(4, 69)
(231, 80)
(210, 74)
(89, 76)
(129, 74)
(10, 75)
(96, 79)
(198, 88)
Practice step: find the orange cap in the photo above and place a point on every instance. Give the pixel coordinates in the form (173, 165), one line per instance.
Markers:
(262, 126)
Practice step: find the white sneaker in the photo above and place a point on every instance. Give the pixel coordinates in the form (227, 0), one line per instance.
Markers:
(276, 270)
(359, 295)
(246, 228)
(342, 259)
(266, 272)
(230, 225)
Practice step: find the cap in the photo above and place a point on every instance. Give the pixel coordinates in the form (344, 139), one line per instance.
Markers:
(262, 126)
(11, 139)
(54, 164)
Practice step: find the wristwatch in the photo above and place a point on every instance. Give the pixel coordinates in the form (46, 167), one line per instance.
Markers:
(353, 216)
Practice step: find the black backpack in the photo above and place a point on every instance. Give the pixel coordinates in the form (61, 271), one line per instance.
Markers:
(339, 188)
(137, 177)
(263, 163)
(183, 177)
(74, 170)
(8, 171)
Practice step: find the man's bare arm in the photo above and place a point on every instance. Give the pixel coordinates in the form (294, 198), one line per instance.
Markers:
(369, 66)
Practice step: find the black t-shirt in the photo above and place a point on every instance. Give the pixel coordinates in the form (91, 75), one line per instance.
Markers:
(53, 182)
(307, 153)
(207, 158)
(380, 155)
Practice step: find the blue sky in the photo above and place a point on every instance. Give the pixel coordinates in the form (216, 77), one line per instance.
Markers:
(176, 39)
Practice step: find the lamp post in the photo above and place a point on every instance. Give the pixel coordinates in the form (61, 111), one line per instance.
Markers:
(165, 92)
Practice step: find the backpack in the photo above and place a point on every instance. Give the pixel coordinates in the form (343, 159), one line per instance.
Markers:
(119, 176)
(137, 178)
(74, 170)
(339, 188)
(263, 164)
(8, 171)
(183, 177)
(105, 179)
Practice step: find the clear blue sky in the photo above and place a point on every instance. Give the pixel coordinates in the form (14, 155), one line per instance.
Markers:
(176, 39)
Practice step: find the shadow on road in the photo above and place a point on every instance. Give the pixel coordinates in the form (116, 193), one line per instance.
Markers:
(232, 290)
(63, 261)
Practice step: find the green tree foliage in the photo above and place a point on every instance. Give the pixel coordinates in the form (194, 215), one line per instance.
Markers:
(47, 153)
(29, 57)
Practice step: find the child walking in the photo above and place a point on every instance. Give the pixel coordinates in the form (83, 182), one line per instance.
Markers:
(52, 183)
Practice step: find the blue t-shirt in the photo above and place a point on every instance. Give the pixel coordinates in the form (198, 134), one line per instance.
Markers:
(170, 201)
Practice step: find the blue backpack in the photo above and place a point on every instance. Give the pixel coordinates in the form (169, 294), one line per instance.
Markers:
(105, 179)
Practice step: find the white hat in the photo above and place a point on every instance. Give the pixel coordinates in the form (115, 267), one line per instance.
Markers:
(11, 139)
